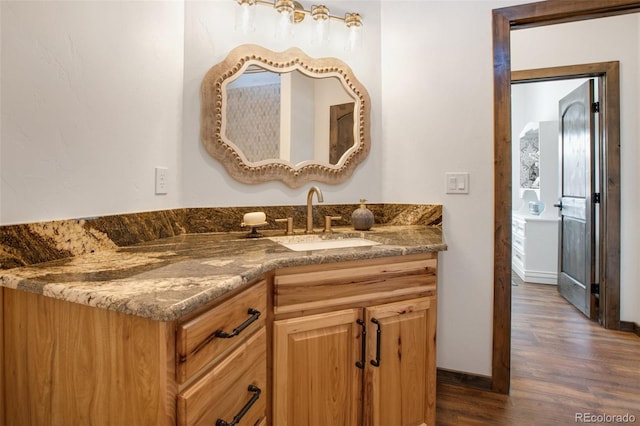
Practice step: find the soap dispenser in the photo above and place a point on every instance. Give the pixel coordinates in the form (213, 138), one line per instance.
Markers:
(362, 218)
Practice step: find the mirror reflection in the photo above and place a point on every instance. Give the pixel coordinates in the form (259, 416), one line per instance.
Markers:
(288, 116)
(284, 116)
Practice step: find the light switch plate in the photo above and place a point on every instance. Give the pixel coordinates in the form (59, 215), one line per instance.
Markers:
(457, 182)
(162, 177)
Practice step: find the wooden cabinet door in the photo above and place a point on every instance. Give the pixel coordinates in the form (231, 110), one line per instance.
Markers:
(400, 390)
(316, 380)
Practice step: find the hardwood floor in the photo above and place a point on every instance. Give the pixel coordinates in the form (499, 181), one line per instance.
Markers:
(561, 364)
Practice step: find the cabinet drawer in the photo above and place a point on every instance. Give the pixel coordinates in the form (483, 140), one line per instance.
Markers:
(225, 391)
(202, 339)
(518, 242)
(349, 283)
(517, 226)
(518, 255)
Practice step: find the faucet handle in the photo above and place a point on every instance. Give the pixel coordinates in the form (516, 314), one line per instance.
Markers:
(327, 222)
(289, 221)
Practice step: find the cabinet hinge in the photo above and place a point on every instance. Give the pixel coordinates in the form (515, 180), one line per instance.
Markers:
(595, 288)
(596, 198)
(595, 107)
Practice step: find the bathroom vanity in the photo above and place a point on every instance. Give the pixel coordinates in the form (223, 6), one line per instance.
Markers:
(354, 342)
(202, 329)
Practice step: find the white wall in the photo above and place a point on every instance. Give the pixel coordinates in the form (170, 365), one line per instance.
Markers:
(534, 102)
(438, 117)
(302, 118)
(91, 103)
(93, 98)
(633, 292)
(602, 40)
(209, 36)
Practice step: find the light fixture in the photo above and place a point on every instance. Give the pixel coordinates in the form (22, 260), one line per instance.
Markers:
(286, 9)
(244, 19)
(320, 15)
(354, 23)
(292, 12)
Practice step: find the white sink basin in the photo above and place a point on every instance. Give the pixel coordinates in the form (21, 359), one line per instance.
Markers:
(321, 242)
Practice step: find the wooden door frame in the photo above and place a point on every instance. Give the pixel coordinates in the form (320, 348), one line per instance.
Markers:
(503, 21)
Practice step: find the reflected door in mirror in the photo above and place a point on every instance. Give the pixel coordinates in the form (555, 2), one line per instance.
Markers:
(340, 130)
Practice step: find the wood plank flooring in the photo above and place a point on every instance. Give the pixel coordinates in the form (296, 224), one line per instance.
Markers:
(561, 364)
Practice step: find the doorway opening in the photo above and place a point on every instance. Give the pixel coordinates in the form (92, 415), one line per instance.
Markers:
(552, 245)
(504, 21)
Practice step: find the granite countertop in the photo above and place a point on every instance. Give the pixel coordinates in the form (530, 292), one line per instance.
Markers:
(167, 278)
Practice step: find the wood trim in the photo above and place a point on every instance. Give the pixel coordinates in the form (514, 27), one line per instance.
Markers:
(629, 326)
(501, 361)
(610, 206)
(2, 419)
(563, 72)
(504, 19)
(556, 12)
(457, 378)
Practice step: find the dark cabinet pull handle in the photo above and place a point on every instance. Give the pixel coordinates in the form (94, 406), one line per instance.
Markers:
(256, 394)
(376, 362)
(363, 356)
(255, 314)
(559, 205)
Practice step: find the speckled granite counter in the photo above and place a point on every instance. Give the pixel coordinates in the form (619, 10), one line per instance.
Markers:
(167, 278)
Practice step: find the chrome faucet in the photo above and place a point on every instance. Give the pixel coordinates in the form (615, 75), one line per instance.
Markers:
(313, 189)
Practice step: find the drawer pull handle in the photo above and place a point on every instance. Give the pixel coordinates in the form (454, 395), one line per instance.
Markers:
(363, 355)
(255, 314)
(256, 394)
(376, 362)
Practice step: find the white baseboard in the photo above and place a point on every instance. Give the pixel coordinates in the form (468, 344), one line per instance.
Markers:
(538, 277)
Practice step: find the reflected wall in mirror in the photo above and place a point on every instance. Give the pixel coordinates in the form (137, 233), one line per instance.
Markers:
(284, 116)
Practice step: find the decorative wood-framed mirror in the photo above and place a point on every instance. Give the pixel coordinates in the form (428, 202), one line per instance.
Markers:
(284, 116)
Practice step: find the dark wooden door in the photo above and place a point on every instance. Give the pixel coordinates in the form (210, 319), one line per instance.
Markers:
(341, 136)
(576, 254)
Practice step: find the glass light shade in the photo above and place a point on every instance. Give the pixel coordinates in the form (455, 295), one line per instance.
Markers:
(245, 21)
(285, 25)
(354, 26)
(320, 31)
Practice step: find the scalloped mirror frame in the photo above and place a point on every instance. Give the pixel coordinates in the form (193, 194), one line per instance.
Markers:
(293, 176)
